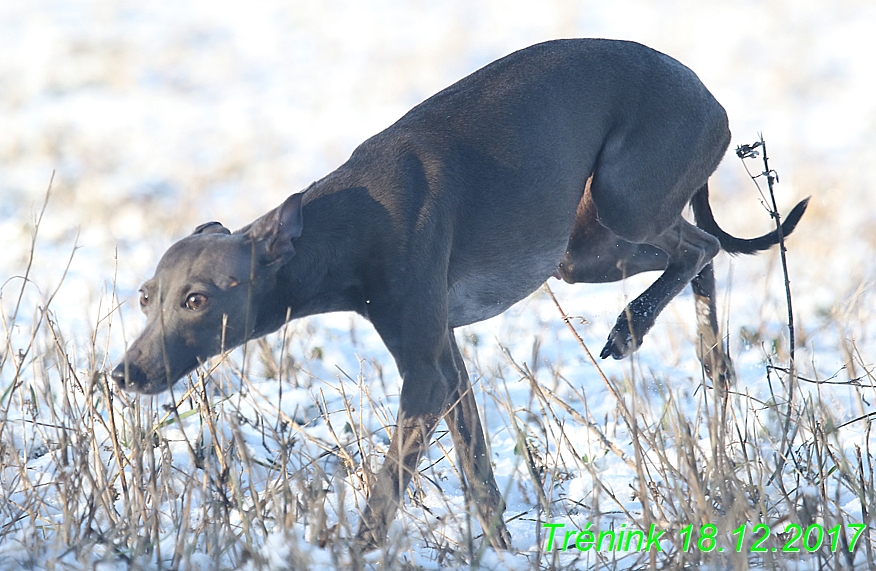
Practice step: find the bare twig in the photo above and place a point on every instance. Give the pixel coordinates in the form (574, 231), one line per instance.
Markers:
(772, 178)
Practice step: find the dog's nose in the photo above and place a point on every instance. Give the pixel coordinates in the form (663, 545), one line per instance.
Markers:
(130, 377)
(118, 375)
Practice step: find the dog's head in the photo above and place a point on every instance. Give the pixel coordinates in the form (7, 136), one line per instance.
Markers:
(204, 296)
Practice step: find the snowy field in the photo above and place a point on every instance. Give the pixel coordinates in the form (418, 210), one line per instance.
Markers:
(156, 117)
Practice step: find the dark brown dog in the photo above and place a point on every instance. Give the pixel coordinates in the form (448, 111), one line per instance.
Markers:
(463, 207)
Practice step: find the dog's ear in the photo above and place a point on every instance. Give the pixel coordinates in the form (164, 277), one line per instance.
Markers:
(211, 228)
(274, 232)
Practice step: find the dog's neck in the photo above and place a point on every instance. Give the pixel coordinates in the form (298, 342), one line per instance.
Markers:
(326, 274)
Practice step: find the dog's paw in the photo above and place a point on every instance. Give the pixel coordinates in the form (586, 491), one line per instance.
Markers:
(503, 539)
(621, 342)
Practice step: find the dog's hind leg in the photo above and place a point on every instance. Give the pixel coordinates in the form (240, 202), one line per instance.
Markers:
(689, 250)
(710, 347)
(595, 254)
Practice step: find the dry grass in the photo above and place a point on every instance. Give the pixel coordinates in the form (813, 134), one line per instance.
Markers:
(222, 476)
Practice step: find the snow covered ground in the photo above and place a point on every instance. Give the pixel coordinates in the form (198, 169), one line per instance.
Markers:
(156, 117)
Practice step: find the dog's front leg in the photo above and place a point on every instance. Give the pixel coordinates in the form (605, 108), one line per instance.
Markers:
(410, 438)
(424, 398)
(474, 457)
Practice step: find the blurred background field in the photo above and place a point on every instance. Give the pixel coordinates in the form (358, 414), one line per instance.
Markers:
(156, 117)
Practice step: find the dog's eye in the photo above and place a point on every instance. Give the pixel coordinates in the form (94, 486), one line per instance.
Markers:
(196, 301)
(144, 299)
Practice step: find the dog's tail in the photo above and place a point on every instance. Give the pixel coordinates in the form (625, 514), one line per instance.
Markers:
(731, 244)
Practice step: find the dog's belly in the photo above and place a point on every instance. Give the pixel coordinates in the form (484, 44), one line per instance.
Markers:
(484, 294)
